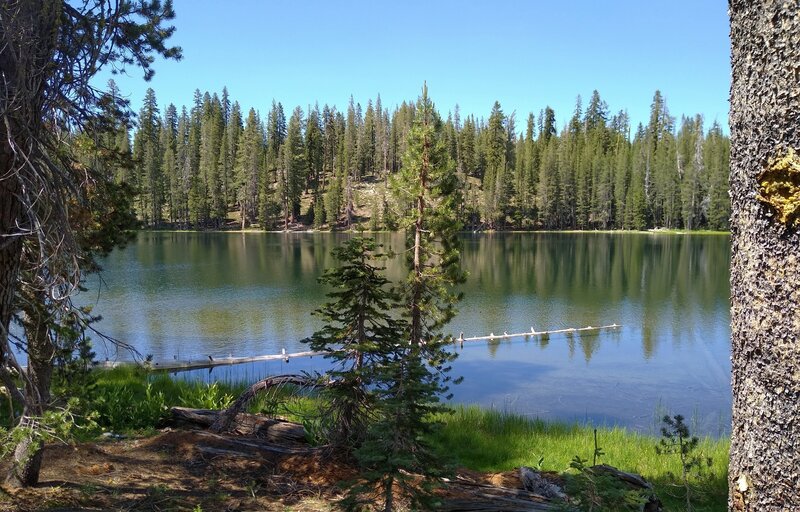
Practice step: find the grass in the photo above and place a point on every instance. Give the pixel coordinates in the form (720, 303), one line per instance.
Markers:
(133, 401)
(486, 440)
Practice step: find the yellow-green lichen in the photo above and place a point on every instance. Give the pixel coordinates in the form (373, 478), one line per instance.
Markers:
(779, 187)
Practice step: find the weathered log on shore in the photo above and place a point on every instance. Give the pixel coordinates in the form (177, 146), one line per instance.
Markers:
(225, 421)
(477, 497)
(535, 482)
(217, 444)
(269, 429)
(634, 482)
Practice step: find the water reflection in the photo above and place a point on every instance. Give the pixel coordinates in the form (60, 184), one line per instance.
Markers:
(189, 295)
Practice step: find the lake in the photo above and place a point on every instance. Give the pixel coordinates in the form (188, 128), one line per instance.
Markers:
(188, 295)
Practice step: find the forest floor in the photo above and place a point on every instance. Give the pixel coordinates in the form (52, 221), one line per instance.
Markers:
(177, 470)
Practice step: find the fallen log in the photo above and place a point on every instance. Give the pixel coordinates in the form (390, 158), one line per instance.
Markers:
(270, 429)
(248, 447)
(535, 482)
(634, 482)
(226, 419)
(478, 497)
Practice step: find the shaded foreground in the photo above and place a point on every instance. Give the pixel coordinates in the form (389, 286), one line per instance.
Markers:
(189, 470)
(181, 470)
(195, 470)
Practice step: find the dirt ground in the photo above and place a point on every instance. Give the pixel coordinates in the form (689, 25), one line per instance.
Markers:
(179, 470)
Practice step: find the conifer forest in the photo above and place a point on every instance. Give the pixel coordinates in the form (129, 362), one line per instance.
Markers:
(217, 164)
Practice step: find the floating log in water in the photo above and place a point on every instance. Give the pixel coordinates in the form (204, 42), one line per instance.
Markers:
(211, 362)
(533, 332)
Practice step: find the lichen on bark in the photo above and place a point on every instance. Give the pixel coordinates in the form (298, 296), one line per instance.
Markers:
(779, 187)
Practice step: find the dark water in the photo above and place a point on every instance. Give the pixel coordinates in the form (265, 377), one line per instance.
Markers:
(188, 295)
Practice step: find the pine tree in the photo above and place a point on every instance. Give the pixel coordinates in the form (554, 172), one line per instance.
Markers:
(495, 194)
(169, 163)
(360, 334)
(147, 153)
(412, 379)
(716, 158)
(315, 150)
(295, 167)
(691, 171)
(248, 168)
(184, 169)
(269, 200)
(765, 276)
(548, 190)
(230, 138)
(212, 126)
(196, 193)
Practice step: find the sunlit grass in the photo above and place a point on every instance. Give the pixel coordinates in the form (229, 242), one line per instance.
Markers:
(135, 401)
(486, 440)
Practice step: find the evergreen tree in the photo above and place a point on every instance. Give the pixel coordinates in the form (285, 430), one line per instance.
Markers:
(691, 170)
(315, 148)
(590, 175)
(169, 164)
(248, 168)
(230, 138)
(184, 169)
(147, 153)
(359, 335)
(412, 379)
(269, 200)
(716, 158)
(212, 126)
(495, 179)
(295, 167)
(197, 193)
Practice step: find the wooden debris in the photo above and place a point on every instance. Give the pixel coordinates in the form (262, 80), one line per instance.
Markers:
(251, 447)
(273, 430)
(533, 481)
(226, 419)
(212, 362)
(477, 497)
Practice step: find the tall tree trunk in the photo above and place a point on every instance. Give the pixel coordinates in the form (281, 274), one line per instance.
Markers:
(765, 269)
(10, 242)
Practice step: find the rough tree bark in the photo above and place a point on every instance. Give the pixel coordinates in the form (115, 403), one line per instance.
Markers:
(49, 52)
(29, 38)
(764, 470)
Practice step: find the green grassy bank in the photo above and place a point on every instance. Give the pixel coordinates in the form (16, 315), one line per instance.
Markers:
(131, 401)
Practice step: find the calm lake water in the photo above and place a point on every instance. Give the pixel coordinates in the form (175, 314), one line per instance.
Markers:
(189, 295)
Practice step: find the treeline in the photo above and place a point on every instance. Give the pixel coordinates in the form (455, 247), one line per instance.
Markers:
(213, 164)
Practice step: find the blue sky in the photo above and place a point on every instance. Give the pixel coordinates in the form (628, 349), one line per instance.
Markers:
(524, 54)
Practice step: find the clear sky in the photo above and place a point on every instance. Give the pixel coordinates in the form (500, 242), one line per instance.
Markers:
(524, 54)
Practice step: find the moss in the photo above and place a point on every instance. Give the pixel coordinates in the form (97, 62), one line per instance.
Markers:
(779, 187)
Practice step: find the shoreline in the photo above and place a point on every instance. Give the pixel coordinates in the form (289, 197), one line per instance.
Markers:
(463, 232)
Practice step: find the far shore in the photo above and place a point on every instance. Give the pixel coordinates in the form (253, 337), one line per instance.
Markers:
(655, 231)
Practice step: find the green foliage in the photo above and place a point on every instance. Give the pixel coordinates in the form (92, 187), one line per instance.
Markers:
(209, 396)
(414, 373)
(489, 440)
(596, 173)
(126, 400)
(591, 490)
(59, 424)
(677, 440)
(358, 337)
(129, 407)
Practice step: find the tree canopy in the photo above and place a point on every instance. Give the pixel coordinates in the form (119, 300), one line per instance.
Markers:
(596, 172)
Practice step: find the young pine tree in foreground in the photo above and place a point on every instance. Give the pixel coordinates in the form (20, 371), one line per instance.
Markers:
(358, 334)
(396, 455)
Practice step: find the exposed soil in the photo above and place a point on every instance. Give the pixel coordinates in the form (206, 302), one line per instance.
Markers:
(182, 470)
